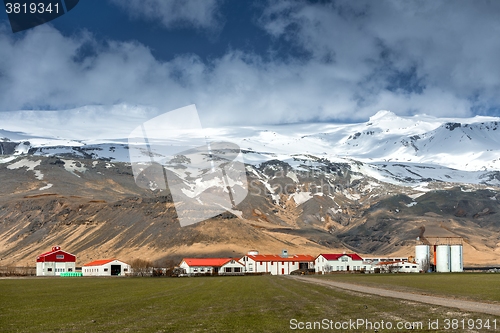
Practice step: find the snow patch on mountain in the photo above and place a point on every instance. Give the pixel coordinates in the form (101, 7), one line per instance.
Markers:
(29, 165)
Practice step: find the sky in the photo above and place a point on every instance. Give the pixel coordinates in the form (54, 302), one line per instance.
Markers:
(260, 62)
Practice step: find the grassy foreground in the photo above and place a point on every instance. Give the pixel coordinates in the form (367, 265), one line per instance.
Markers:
(206, 304)
(472, 286)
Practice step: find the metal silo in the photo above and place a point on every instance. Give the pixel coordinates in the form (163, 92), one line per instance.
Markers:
(443, 258)
(456, 256)
(423, 256)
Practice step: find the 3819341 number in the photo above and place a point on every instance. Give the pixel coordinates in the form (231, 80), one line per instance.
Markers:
(31, 8)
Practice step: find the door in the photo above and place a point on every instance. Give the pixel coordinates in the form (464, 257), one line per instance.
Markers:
(282, 271)
(116, 269)
(347, 267)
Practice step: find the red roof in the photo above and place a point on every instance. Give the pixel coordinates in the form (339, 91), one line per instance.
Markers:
(336, 256)
(212, 262)
(275, 257)
(99, 262)
(55, 256)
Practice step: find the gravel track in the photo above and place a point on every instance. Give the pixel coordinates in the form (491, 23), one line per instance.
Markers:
(488, 308)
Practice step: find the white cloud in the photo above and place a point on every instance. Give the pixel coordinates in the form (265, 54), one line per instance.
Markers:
(202, 14)
(451, 48)
(358, 52)
(41, 70)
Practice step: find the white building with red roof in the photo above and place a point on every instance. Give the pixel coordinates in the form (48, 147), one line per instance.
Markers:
(212, 266)
(275, 264)
(336, 262)
(55, 262)
(106, 267)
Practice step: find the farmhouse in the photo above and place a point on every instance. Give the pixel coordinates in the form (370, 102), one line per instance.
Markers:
(106, 267)
(55, 262)
(325, 263)
(212, 266)
(276, 264)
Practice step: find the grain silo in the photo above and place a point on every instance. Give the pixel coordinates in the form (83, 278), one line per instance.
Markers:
(456, 258)
(443, 258)
(423, 256)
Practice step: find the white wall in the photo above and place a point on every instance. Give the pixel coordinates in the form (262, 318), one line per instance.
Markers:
(401, 267)
(195, 269)
(105, 270)
(54, 268)
(232, 266)
(321, 264)
(278, 267)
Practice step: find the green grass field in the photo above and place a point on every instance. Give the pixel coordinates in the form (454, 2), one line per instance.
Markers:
(203, 304)
(471, 286)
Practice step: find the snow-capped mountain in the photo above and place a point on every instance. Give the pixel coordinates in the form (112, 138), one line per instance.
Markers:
(388, 147)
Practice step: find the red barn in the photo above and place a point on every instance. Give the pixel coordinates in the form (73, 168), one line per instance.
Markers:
(55, 262)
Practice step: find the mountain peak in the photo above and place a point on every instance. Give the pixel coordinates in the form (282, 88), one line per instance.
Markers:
(383, 114)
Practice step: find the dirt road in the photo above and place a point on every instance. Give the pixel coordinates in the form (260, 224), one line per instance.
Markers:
(488, 308)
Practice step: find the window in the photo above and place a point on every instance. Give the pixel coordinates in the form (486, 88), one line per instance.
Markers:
(105, 269)
(407, 266)
(227, 269)
(293, 262)
(125, 269)
(202, 269)
(70, 269)
(272, 262)
(250, 269)
(282, 262)
(237, 269)
(60, 256)
(195, 269)
(344, 259)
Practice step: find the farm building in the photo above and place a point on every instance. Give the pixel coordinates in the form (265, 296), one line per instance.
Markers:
(213, 266)
(376, 260)
(398, 267)
(106, 267)
(325, 263)
(55, 262)
(276, 264)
